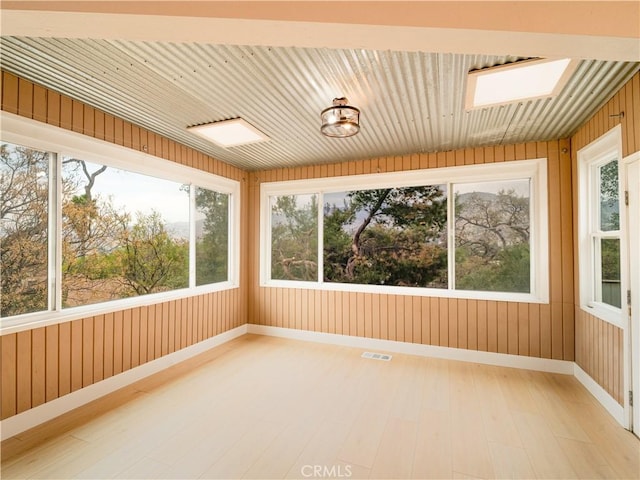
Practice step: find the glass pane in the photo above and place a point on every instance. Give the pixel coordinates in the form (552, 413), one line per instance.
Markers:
(294, 237)
(492, 229)
(123, 234)
(212, 236)
(24, 204)
(392, 236)
(610, 268)
(609, 204)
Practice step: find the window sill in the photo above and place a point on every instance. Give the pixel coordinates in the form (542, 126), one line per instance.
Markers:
(604, 312)
(408, 291)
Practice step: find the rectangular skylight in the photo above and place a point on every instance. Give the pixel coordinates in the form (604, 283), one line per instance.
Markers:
(230, 133)
(523, 80)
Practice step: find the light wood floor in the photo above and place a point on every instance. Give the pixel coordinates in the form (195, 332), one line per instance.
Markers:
(261, 407)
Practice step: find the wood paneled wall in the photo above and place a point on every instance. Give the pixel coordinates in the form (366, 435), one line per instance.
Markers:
(600, 352)
(537, 330)
(599, 346)
(42, 364)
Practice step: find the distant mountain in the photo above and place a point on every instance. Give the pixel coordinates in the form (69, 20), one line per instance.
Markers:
(466, 197)
(180, 230)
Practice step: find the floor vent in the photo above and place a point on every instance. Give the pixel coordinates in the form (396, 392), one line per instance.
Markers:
(377, 356)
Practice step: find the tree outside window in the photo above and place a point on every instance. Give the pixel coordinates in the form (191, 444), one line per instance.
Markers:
(24, 243)
(391, 236)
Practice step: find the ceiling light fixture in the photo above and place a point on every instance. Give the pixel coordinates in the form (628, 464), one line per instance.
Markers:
(340, 120)
(229, 133)
(523, 80)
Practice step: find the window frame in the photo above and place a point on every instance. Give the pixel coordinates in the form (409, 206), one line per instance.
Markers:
(534, 169)
(601, 151)
(65, 143)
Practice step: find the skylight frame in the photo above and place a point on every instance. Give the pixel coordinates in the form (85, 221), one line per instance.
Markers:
(473, 76)
(204, 131)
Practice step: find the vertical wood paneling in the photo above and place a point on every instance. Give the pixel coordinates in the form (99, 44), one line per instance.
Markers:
(51, 365)
(164, 321)
(503, 327)
(53, 108)
(416, 314)
(117, 342)
(64, 358)
(599, 348)
(399, 318)
(425, 318)
(545, 331)
(25, 98)
(38, 372)
(392, 320)
(135, 337)
(368, 315)
(98, 348)
(23, 371)
(174, 328)
(452, 323)
(66, 113)
(512, 328)
(108, 345)
(88, 342)
(9, 344)
(534, 330)
(353, 314)
(300, 313)
(483, 338)
(9, 92)
(40, 103)
(384, 316)
(523, 329)
(443, 311)
(492, 326)
(77, 116)
(434, 320)
(76, 355)
(126, 340)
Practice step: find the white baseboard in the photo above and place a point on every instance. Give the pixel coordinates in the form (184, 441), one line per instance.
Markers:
(47, 411)
(607, 401)
(488, 358)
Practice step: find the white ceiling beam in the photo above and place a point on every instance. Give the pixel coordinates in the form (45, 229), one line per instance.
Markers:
(239, 31)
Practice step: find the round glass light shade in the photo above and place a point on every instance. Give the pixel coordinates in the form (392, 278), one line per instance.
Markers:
(340, 120)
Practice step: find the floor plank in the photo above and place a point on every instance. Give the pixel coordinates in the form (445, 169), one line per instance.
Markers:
(262, 407)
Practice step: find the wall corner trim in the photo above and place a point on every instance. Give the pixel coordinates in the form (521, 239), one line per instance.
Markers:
(602, 396)
(21, 422)
(488, 358)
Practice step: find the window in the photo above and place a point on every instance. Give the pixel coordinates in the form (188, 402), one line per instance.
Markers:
(492, 232)
(212, 236)
(389, 236)
(123, 234)
(24, 229)
(599, 227)
(294, 237)
(86, 224)
(469, 231)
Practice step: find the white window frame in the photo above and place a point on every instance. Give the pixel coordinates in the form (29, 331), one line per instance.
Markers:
(535, 170)
(601, 151)
(64, 143)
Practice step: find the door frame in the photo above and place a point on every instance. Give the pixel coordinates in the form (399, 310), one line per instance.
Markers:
(630, 176)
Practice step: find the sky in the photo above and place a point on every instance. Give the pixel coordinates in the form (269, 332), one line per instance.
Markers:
(142, 193)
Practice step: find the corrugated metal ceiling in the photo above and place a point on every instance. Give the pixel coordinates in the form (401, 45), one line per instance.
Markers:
(410, 101)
